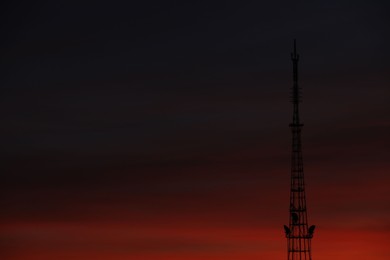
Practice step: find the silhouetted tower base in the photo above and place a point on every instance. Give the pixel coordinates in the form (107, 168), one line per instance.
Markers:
(298, 233)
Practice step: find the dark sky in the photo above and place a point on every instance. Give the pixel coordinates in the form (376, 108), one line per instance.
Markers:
(159, 129)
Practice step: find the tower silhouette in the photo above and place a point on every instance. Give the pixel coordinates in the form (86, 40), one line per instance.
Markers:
(298, 233)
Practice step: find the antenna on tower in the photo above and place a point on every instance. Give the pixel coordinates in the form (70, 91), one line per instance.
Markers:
(296, 91)
(294, 55)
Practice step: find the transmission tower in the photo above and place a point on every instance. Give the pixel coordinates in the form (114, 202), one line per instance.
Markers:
(298, 233)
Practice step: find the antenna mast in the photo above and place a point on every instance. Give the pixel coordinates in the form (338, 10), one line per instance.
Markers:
(298, 233)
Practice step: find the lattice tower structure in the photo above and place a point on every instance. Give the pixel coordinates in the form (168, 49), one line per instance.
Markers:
(298, 232)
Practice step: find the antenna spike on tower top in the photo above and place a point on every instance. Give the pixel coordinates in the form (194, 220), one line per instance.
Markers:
(295, 55)
(295, 47)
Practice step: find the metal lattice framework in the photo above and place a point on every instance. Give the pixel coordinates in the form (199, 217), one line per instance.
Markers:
(298, 233)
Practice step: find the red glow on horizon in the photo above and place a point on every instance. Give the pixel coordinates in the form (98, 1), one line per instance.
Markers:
(118, 241)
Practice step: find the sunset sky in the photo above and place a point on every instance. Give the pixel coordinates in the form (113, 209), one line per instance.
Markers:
(158, 130)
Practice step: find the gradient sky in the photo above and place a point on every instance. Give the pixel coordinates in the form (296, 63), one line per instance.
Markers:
(159, 129)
